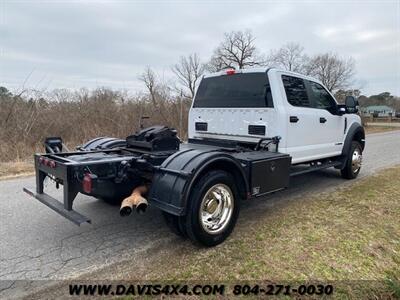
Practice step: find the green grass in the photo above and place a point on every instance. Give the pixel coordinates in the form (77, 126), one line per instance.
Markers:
(350, 237)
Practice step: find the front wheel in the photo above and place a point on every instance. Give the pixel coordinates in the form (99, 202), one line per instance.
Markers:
(213, 208)
(353, 162)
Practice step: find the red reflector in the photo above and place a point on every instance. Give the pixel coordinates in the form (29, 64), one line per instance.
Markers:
(87, 184)
(230, 72)
(41, 159)
(46, 161)
(52, 164)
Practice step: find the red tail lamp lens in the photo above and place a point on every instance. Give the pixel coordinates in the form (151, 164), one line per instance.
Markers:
(52, 164)
(87, 183)
(230, 72)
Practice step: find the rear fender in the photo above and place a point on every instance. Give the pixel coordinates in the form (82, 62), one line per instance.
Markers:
(173, 182)
(102, 143)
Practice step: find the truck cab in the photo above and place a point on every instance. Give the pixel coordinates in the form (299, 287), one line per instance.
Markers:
(246, 105)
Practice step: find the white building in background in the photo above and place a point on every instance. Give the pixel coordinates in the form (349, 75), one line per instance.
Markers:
(381, 110)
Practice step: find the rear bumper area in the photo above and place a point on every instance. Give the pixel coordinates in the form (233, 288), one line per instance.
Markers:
(62, 170)
(58, 207)
(68, 170)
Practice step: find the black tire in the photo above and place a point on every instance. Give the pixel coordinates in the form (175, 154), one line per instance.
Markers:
(350, 170)
(175, 223)
(194, 228)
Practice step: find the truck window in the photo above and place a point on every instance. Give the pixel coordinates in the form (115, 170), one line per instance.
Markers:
(296, 92)
(321, 98)
(237, 90)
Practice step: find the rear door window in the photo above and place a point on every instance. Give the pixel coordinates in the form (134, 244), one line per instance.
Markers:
(236, 90)
(296, 91)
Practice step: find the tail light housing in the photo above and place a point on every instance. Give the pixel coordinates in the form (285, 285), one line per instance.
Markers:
(230, 72)
(47, 162)
(87, 183)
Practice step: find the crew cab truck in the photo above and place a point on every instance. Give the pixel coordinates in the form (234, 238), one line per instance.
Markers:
(250, 131)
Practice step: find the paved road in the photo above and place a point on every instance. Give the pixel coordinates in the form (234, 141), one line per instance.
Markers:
(37, 243)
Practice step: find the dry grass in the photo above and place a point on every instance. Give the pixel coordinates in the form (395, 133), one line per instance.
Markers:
(79, 116)
(16, 169)
(377, 129)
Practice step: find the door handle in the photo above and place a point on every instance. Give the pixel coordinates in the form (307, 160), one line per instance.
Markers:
(322, 120)
(293, 119)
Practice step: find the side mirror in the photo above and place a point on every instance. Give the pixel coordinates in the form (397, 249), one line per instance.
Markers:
(351, 104)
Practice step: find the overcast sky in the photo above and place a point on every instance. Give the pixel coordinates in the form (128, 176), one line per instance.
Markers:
(73, 44)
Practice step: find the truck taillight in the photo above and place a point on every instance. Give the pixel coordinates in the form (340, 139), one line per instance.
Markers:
(87, 183)
(230, 72)
(47, 162)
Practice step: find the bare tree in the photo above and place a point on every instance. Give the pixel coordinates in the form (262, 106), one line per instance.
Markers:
(340, 95)
(236, 51)
(189, 70)
(289, 57)
(334, 72)
(149, 78)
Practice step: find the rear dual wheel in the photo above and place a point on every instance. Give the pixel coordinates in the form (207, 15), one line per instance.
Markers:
(212, 210)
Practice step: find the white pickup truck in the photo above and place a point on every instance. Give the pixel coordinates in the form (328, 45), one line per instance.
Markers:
(249, 132)
(254, 103)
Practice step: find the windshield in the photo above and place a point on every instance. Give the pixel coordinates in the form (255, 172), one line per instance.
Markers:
(237, 90)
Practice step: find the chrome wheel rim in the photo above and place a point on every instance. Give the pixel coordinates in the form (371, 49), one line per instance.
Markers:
(356, 160)
(216, 208)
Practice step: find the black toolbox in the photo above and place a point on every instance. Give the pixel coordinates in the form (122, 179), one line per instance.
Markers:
(268, 171)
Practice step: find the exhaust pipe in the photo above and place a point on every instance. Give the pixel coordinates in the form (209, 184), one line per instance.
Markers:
(134, 200)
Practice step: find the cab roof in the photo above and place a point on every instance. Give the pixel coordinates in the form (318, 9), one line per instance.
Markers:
(260, 70)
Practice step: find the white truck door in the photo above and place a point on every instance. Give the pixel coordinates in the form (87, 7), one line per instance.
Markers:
(302, 136)
(329, 126)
